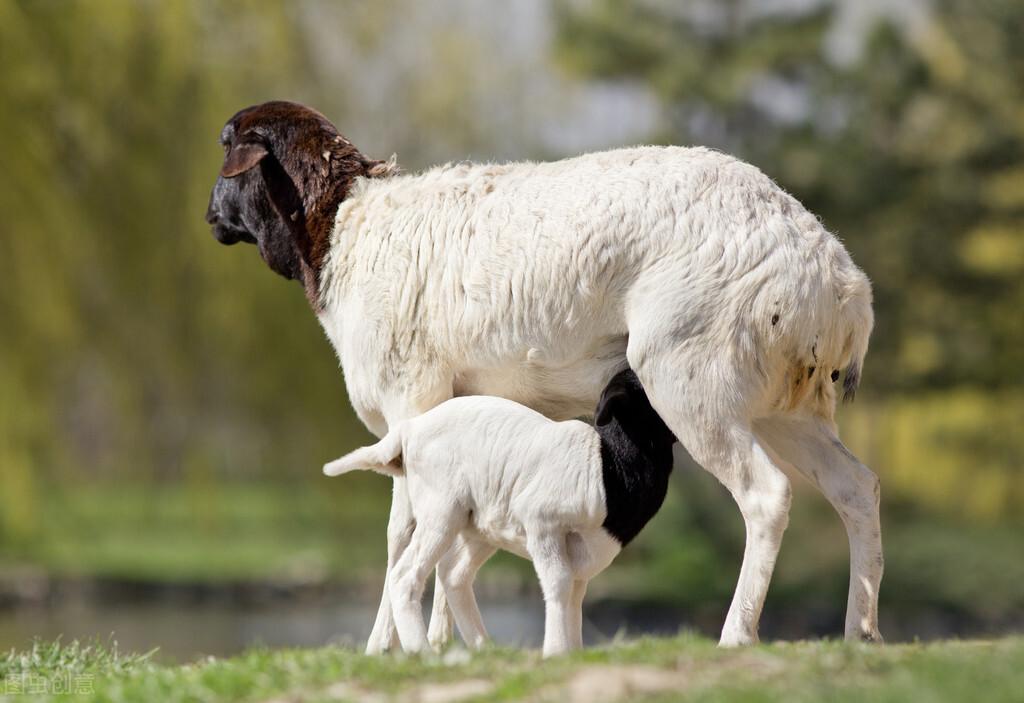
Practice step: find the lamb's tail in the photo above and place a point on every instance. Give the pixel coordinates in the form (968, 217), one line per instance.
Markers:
(384, 457)
(856, 321)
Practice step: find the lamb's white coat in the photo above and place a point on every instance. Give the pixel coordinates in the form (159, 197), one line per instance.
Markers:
(538, 281)
(494, 474)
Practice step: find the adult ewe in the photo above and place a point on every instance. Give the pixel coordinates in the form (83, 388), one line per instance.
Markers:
(538, 282)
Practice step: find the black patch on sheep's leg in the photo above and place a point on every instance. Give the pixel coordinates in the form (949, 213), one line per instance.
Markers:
(835, 375)
(636, 456)
(775, 320)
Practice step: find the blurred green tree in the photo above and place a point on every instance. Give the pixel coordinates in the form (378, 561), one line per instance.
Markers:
(133, 347)
(125, 349)
(913, 153)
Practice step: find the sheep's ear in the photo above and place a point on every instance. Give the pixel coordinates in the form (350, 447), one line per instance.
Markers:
(242, 157)
(606, 406)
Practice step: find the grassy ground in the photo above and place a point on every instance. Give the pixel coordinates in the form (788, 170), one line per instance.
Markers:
(681, 668)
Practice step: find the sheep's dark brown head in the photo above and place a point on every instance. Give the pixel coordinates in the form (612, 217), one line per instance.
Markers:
(286, 206)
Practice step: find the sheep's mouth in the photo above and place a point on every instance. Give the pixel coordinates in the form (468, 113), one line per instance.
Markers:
(230, 235)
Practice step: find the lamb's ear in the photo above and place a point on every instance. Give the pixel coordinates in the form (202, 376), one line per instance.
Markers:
(242, 157)
(605, 407)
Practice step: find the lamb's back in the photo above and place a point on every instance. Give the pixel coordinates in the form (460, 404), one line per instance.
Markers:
(505, 461)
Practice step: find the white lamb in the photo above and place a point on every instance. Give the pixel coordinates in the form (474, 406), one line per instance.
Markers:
(492, 473)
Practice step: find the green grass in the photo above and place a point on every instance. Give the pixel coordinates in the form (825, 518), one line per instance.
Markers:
(61, 670)
(680, 668)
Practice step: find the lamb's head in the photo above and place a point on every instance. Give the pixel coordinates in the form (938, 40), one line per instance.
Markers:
(624, 401)
(286, 207)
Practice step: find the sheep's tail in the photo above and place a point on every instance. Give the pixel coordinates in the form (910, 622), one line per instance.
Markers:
(384, 457)
(856, 320)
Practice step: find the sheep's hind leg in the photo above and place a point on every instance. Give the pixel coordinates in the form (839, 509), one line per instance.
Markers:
(708, 414)
(456, 571)
(811, 446)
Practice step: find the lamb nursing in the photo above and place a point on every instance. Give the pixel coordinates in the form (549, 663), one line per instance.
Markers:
(492, 473)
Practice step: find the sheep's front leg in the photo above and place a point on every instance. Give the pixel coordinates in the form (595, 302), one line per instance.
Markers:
(551, 562)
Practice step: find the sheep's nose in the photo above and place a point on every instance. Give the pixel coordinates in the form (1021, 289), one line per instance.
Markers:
(212, 216)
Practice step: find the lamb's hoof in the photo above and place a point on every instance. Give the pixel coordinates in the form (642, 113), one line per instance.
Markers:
(440, 632)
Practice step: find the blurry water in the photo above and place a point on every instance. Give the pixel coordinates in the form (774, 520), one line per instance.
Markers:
(188, 631)
(185, 630)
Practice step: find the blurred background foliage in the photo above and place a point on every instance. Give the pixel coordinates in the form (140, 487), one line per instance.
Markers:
(166, 402)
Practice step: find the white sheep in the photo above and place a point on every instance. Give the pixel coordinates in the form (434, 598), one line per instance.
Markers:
(492, 473)
(537, 282)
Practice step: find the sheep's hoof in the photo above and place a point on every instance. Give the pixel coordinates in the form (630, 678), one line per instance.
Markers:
(731, 640)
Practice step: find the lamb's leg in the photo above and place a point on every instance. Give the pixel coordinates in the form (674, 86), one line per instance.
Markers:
(429, 392)
(440, 631)
(811, 446)
(430, 539)
(579, 591)
(384, 636)
(551, 562)
(456, 571)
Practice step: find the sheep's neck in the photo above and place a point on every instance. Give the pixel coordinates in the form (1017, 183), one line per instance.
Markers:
(635, 472)
(343, 167)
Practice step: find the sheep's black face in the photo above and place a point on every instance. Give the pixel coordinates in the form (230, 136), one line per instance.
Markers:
(241, 210)
(286, 169)
(226, 211)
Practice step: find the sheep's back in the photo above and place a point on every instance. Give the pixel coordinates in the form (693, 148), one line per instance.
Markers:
(537, 264)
